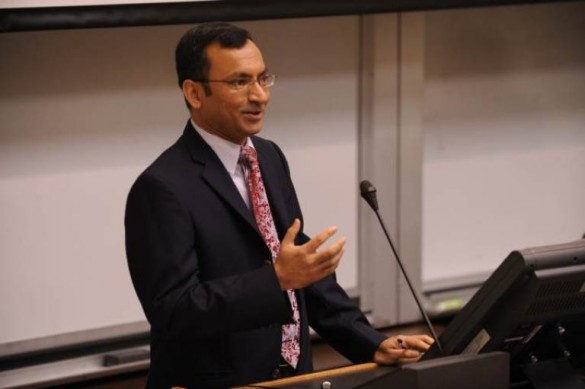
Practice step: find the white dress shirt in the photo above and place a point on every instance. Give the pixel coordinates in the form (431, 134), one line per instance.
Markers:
(229, 154)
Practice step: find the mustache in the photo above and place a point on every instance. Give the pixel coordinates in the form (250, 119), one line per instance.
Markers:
(254, 108)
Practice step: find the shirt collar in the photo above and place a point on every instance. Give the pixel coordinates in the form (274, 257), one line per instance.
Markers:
(228, 152)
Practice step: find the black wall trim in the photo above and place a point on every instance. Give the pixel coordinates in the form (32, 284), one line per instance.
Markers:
(53, 18)
(74, 351)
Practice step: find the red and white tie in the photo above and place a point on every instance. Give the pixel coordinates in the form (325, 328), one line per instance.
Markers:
(290, 350)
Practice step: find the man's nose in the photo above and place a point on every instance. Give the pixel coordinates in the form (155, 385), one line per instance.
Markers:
(258, 94)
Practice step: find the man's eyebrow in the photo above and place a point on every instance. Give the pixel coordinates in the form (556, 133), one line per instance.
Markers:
(247, 75)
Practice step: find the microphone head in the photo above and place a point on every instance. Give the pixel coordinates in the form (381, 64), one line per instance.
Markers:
(368, 192)
(366, 187)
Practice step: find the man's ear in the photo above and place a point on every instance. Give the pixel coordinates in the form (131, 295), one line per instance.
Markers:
(193, 92)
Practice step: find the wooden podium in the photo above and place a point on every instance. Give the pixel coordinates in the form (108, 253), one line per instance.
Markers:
(483, 371)
(350, 375)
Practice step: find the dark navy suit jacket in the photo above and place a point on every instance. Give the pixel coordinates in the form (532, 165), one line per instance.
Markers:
(204, 276)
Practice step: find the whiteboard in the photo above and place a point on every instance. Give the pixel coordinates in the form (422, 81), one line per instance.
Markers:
(504, 135)
(85, 111)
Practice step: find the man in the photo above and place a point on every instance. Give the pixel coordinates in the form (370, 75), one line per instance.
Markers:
(226, 278)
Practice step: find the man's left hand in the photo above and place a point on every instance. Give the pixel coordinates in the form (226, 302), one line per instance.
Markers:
(402, 349)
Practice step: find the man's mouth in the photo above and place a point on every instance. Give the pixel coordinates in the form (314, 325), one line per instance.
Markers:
(253, 114)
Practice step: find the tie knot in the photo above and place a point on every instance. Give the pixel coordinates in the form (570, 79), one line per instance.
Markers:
(248, 155)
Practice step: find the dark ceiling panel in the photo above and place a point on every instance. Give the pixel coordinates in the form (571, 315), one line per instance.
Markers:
(51, 18)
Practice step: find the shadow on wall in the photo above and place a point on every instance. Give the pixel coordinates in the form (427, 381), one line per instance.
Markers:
(102, 98)
(504, 80)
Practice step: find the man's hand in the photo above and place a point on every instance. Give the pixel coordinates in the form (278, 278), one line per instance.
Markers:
(300, 266)
(402, 349)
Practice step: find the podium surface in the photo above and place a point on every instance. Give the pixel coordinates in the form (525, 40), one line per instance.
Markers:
(344, 377)
(483, 371)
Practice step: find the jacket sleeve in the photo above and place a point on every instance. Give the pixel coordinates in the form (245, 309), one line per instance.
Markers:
(339, 321)
(161, 248)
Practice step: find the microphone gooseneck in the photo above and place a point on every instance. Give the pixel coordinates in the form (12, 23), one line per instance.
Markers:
(368, 193)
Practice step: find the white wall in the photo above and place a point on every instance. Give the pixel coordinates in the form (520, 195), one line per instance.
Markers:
(504, 128)
(84, 111)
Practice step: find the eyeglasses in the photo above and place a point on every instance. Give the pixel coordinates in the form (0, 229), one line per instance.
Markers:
(265, 80)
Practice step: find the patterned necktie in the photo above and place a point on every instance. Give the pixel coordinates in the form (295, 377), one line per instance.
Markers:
(290, 350)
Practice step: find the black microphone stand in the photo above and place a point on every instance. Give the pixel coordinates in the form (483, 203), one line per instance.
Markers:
(368, 192)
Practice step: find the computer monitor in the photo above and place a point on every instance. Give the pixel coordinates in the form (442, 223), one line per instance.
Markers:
(533, 307)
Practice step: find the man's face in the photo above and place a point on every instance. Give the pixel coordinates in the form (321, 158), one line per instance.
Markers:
(233, 114)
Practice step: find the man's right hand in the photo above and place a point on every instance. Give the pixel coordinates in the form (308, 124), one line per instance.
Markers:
(299, 266)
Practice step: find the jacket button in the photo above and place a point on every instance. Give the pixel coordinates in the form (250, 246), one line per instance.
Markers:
(276, 374)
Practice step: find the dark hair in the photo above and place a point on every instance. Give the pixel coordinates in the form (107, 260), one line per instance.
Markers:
(190, 58)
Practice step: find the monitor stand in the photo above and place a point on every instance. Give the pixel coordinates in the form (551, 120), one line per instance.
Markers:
(553, 374)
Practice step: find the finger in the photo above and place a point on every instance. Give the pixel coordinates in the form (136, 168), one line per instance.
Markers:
(335, 261)
(291, 233)
(404, 361)
(427, 339)
(418, 344)
(329, 266)
(390, 356)
(325, 256)
(312, 245)
(325, 269)
(409, 354)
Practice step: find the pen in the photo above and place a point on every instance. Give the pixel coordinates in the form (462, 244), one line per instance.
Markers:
(402, 343)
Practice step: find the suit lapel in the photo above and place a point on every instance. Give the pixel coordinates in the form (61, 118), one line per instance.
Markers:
(215, 175)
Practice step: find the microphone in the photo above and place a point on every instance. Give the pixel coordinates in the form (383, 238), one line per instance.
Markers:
(368, 193)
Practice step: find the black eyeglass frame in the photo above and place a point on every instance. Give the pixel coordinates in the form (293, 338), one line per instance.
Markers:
(265, 81)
